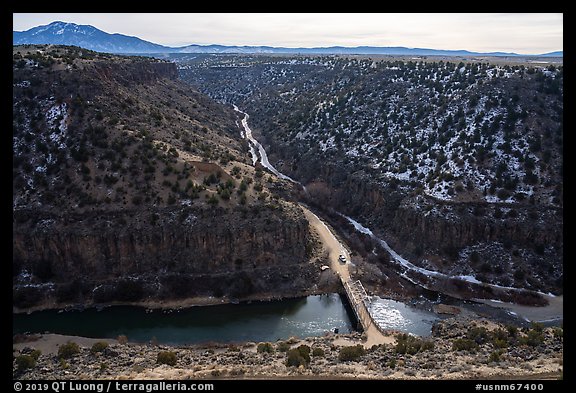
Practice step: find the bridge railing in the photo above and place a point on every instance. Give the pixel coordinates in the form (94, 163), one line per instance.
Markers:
(358, 297)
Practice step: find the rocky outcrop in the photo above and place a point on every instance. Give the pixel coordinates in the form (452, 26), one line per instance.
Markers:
(460, 225)
(162, 253)
(136, 71)
(446, 309)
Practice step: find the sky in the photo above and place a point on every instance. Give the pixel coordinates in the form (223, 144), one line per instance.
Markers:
(523, 33)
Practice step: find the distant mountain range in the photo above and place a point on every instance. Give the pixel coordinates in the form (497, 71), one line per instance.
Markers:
(89, 37)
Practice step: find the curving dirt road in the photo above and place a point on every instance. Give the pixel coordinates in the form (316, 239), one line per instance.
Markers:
(335, 249)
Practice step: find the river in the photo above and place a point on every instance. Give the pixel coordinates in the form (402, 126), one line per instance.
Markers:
(257, 321)
(553, 313)
(256, 148)
(391, 314)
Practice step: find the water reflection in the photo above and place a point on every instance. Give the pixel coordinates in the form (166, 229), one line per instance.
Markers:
(258, 321)
(328, 300)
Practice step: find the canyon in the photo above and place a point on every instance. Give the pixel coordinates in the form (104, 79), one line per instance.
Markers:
(138, 181)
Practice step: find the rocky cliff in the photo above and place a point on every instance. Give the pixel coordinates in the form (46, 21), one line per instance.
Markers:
(136, 72)
(167, 253)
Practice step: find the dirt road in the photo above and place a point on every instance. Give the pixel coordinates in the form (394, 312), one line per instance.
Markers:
(335, 249)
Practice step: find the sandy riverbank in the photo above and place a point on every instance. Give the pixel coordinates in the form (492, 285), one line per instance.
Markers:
(49, 343)
(553, 311)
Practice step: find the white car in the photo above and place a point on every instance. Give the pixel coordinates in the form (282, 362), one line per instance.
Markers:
(342, 258)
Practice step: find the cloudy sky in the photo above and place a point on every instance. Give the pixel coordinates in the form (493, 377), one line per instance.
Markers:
(520, 33)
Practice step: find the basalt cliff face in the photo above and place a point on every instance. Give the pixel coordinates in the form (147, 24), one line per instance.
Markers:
(139, 72)
(130, 186)
(185, 252)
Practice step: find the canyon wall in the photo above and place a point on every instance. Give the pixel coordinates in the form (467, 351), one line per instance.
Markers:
(160, 253)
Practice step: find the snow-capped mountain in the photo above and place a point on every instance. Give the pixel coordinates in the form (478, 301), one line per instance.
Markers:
(85, 36)
(89, 37)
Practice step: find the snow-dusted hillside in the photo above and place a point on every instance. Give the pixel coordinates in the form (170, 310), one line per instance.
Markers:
(473, 131)
(458, 166)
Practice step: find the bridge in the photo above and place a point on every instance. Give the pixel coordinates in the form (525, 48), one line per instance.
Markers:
(359, 300)
(354, 290)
